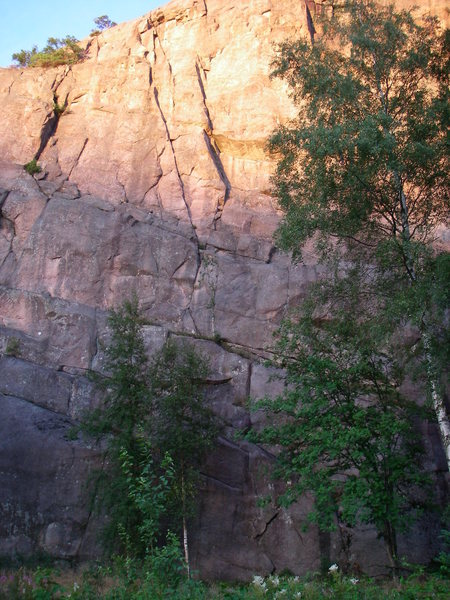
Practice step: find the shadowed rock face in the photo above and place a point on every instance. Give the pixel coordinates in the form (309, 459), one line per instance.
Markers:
(156, 180)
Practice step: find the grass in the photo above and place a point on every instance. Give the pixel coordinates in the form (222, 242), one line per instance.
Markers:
(127, 580)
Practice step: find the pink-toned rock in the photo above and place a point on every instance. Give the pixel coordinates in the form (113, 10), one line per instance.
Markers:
(156, 181)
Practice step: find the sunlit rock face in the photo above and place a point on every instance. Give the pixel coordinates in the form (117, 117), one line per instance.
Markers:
(156, 180)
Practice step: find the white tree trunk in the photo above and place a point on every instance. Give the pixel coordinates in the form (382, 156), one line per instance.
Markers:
(185, 532)
(438, 401)
(186, 548)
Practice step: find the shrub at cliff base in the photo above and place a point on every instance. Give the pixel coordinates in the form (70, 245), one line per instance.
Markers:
(157, 427)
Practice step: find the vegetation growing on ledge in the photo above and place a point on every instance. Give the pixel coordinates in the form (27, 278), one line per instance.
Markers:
(59, 51)
(32, 167)
(65, 51)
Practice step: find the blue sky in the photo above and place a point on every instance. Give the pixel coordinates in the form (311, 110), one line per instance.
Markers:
(27, 22)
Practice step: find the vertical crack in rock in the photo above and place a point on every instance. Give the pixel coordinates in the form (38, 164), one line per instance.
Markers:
(213, 149)
(125, 197)
(153, 86)
(51, 123)
(182, 189)
(91, 506)
(310, 23)
(288, 291)
(249, 380)
(150, 75)
(169, 139)
(4, 194)
(78, 157)
(169, 66)
(272, 252)
(189, 311)
(96, 46)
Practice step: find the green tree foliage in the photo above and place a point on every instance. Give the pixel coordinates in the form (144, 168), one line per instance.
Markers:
(363, 169)
(65, 51)
(363, 174)
(23, 58)
(157, 429)
(366, 159)
(182, 425)
(347, 433)
(32, 167)
(103, 22)
(126, 405)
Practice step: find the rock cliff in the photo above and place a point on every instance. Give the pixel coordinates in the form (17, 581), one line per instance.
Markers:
(156, 181)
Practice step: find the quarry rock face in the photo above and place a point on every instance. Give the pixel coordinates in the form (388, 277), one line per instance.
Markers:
(156, 181)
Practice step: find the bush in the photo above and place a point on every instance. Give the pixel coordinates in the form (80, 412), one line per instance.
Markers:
(32, 167)
(157, 428)
(65, 51)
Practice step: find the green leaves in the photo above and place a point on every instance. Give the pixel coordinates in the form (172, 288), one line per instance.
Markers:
(64, 51)
(156, 427)
(348, 435)
(371, 123)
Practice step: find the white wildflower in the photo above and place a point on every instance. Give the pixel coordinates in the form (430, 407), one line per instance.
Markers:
(296, 579)
(354, 580)
(298, 595)
(275, 580)
(259, 581)
(333, 568)
(75, 586)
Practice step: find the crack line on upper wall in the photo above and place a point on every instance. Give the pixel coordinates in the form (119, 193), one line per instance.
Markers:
(52, 120)
(177, 170)
(267, 525)
(168, 134)
(212, 147)
(172, 78)
(75, 164)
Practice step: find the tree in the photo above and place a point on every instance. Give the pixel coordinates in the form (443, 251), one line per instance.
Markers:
(362, 173)
(103, 22)
(65, 51)
(347, 434)
(119, 421)
(182, 425)
(157, 429)
(363, 169)
(23, 58)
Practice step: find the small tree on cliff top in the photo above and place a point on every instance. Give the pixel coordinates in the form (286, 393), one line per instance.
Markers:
(103, 22)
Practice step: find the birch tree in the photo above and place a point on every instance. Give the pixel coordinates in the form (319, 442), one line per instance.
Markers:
(363, 169)
(182, 425)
